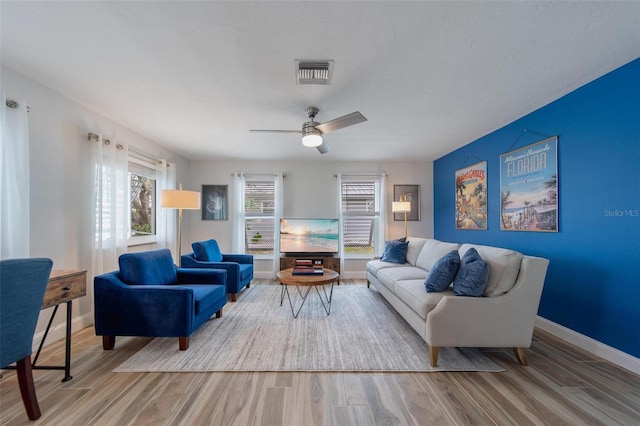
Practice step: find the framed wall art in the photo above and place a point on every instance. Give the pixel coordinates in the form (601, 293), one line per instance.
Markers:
(529, 188)
(215, 204)
(471, 197)
(410, 193)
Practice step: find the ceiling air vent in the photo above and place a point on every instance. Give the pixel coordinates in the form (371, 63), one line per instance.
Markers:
(313, 72)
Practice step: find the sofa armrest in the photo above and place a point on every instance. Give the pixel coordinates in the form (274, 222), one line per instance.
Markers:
(502, 321)
(238, 258)
(202, 276)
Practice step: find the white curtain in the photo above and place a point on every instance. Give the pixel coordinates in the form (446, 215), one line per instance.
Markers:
(167, 219)
(238, 214)
(339, 215)
(382, 229)
(277, 215)
(14, 181)
(111, 204)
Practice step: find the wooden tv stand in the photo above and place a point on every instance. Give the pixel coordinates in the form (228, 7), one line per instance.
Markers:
(329, 262)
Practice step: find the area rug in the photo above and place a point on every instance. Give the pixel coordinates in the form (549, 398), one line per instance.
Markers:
(362, 333)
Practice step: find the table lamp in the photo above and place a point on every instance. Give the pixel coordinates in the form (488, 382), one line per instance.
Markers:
(180, 199)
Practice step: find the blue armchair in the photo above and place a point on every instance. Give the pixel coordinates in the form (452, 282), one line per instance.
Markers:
(23, 283)
(150, 297)
(239, 267)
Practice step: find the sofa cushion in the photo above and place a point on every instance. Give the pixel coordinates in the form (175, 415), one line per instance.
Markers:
(207, 251)
(389, 276)
(443, 272)
(432, 251)
(415, 245)
(472, 276)
(375, 265)
(504, 266)
(412, 293)
(395, 251)
(154, 267)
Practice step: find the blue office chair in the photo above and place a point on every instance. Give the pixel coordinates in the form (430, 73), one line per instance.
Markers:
(23, 283)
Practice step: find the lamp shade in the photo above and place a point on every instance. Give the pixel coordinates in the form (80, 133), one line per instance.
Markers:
(180, 199)
(401, 206)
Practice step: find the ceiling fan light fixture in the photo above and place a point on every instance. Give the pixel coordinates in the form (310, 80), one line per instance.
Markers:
(312, 140)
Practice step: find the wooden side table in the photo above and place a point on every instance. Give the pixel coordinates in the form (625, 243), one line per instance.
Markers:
(64, 286)
(287, 278)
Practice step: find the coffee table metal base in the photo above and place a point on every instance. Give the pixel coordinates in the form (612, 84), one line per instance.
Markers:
(326, 300)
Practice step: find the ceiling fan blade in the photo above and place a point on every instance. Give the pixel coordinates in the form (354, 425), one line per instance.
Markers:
(323, 147)
(275, 131)
(341, 122)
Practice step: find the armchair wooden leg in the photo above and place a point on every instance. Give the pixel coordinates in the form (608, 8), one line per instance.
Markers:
(219, 313)
(521, 355)
(183, 343)
(233, 297)
(248, 285)
(433, 355)
(27, 388)
(108, 342)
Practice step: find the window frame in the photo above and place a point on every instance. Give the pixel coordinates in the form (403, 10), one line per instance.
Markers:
(374, 215)
(247, 217)
(146, 169)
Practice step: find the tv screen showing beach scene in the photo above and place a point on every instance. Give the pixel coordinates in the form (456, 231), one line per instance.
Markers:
(320, 236)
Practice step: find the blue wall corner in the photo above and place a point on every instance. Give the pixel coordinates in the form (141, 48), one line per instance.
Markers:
(593, 282)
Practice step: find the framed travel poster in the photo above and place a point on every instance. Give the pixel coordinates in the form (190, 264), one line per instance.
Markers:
(471, 197)
(214, 202)
(529, 188)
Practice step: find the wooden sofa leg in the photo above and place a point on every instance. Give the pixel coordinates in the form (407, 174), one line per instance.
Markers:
(233, 297)
(521, 355)
(219, 313)
(27, 388)
(108, 342)
(183, 343)
(433, 355)
(368, 283)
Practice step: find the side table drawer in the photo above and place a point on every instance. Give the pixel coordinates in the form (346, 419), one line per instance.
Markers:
(64, 287)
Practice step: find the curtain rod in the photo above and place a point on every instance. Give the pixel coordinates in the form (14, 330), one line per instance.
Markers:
(13, 104)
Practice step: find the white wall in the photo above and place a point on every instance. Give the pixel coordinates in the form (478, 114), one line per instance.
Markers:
(61, 182)
(310, 191)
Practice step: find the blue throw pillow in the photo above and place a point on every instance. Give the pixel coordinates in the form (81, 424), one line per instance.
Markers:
(472, 276)
(443, 272)
(395, 251)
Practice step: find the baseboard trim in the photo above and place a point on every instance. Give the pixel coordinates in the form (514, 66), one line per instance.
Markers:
(59, 331)
(613, 355)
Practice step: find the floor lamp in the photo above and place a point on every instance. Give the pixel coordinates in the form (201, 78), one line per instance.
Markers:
(181, 200)
(402, 207)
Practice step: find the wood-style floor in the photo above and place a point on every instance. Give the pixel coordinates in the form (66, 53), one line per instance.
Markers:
(561, 385)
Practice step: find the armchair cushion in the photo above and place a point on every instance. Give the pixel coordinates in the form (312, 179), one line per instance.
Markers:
(207, 251)
(135, 270)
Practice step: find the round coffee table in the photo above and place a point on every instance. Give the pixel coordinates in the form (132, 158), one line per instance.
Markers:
(287, 278)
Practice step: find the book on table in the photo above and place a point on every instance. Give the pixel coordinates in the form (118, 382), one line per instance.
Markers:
(307, 270)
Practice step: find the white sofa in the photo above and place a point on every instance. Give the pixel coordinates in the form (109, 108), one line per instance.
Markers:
(503, 317)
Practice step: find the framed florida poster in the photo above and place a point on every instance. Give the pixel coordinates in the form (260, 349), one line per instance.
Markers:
(529, 188)
(471, 197)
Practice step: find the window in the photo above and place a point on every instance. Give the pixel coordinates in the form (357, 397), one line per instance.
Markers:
(259, 216)
(142, 202)
(360, 214)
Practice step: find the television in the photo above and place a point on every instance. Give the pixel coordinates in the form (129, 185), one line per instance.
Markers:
(310, 236)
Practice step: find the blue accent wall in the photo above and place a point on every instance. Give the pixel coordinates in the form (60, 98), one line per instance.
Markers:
(593, 281)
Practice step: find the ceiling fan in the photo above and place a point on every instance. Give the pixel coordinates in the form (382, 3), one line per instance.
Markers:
(312, 131)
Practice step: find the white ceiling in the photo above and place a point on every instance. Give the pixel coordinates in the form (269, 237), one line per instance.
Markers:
(429, 76)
